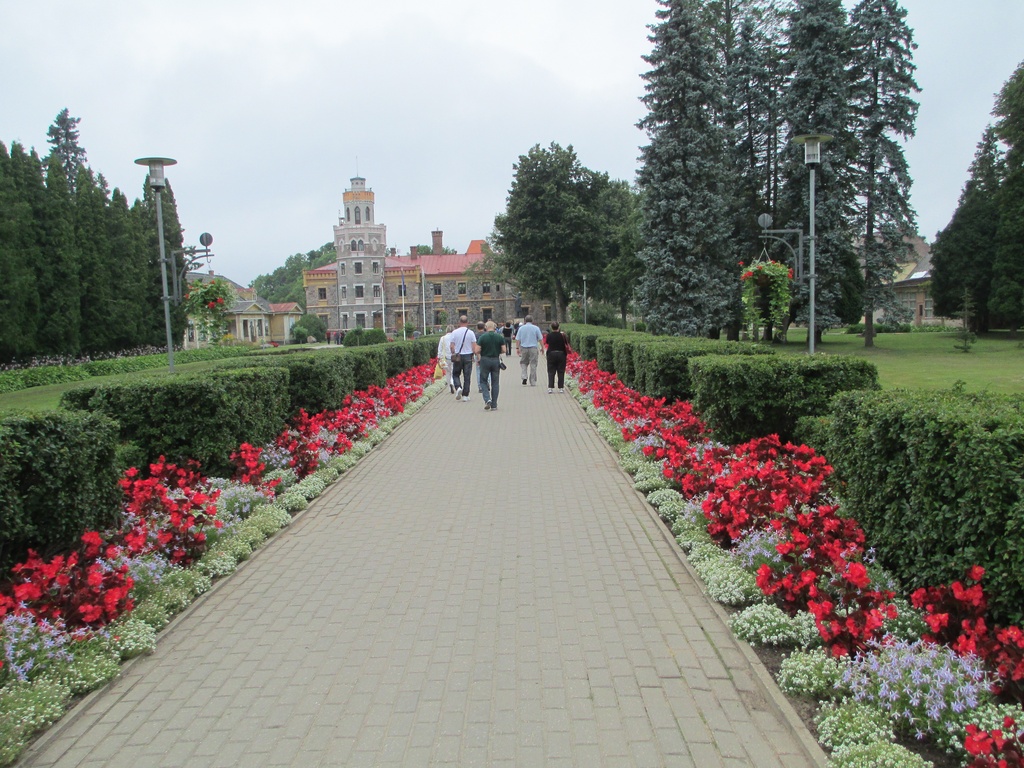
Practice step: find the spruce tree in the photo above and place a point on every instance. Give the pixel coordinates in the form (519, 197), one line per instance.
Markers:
(817, 100)
(1007, 297)
(690, 285)
(964, 250)
(885, 114)
(128, 260)
(95, 262)
(63, 137)
(59, 290)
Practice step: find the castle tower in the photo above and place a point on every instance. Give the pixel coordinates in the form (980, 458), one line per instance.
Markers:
(361, 244)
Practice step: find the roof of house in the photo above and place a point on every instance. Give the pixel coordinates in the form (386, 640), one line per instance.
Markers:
(919, 266)
(440, 264)
(284, 307)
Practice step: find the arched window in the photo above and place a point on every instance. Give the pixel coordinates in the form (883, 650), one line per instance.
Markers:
(357, 215)
(353, 246)
(348, 214)
(361, 246)
(367, 214)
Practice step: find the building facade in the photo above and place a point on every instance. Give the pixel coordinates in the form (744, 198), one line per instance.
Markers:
(370, 286)
(250, 318)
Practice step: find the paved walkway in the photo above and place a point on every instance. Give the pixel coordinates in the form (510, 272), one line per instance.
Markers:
(483, 589)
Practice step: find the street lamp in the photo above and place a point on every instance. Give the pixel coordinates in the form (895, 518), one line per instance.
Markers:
(157, 184)
(812, 158)
(584, 299)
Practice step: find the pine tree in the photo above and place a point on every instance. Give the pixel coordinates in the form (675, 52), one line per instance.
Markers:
(817, 100)
(885, 113)
(95, 262)
(1007, 297)
(63, 137)
(128, 260)
(690, 285)
(59, 289)
(964, 251)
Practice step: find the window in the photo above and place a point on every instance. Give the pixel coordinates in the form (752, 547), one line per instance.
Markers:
(360, 319)
(525, 310)
(488, 313)
(341, 267)
(357, 267)
(547, 312)
(460, 312)
(376, 290)
(361, 246)
(354, 246)
(402, 289)
(348, 214)
(438, 314)
(437, 289)
(357, 215)
(497, 288)
(358, 291)
(321, 294)
(344, 322)
(462, 289)
(485, 288)
(344, 291)
(376, 267)
(367, 214)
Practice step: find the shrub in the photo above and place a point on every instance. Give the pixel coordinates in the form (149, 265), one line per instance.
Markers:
(815, 673)
(936, 481)
(767, 624)
(202, 417)
(57, 479)
(850, 722)
(746, 397)
(667, 363)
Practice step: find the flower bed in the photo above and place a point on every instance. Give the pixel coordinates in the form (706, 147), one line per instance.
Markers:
(67, 622)
(765, 509)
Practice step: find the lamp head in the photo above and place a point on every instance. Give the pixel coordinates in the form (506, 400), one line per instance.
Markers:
(812, 146)
(156, 170)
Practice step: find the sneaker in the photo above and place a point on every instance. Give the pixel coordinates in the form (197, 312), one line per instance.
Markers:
(487, 406)
(550, 390)
(561, 391)
(494, 407)
(465, 398)
(458, 395)
(524, 382)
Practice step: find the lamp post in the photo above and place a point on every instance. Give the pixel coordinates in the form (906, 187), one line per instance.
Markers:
(584, 299)
(157, 184)
(812, 158)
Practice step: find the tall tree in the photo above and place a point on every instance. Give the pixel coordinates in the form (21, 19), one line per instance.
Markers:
(63, 137)
(617, 283)
(1007, 299)
(690, 285)
(550, 234)
(963, 252)
(885, 113)
(128, 263)
(59, 288)
(95, 260)
(19, 296)
(817, 100)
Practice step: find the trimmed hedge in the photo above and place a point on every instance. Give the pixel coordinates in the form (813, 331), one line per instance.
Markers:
(57, 479)
(937, 481)
(369, 366)
(203, 417)
(40, 376)
(665, 366)
(317, 381)
(745, 397)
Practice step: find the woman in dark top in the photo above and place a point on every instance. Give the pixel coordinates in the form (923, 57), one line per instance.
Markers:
(557, 345)
(508, 332)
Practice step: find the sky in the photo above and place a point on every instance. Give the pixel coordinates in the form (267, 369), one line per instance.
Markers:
(271, 108)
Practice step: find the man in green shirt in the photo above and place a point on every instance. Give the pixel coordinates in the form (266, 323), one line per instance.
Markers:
(489, 347)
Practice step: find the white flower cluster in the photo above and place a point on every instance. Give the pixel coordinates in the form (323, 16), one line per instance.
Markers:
(669, 503)
(879, 754)
(849, 722)
(27, 708)
(131, 637)
(813, 673)
(649, 477)
(726, 582)
(310, 487)
(767, 624)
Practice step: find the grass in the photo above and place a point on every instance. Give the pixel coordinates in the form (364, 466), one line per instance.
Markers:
(929, 360)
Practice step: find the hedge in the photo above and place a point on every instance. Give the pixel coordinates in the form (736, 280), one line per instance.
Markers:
(203, 417)
(937, 482)
(665, 366)
(317, 381)
(57, 479)
(745, 397)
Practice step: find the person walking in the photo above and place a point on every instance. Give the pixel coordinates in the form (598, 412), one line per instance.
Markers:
(528, 339)
(507, 333)
(489, 347)
(479, 332)
(461, 345)
(444, 356)
(558, 348)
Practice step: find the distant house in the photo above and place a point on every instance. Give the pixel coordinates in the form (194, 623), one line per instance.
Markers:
(250, 318)
(913, 285)
(370, 286)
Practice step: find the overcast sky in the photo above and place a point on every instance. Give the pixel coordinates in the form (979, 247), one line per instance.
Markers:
(271, 107)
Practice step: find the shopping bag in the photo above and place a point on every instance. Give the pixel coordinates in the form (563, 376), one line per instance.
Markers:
(438, 372)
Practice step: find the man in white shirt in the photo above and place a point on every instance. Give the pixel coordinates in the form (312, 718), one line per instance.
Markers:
(444, 356)
(461, 345)
(528, 341)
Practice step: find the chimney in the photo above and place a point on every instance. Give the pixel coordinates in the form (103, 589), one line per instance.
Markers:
(437, 236)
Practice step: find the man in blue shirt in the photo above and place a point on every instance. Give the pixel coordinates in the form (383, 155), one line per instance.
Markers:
(528, 340)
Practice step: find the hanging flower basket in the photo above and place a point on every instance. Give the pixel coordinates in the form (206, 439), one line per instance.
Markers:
(207, 304)
(769, 279)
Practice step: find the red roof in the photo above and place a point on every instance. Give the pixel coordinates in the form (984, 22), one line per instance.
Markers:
(288, 306)
(440, 263)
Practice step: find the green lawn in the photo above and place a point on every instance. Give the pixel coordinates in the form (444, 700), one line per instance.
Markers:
(929, 360)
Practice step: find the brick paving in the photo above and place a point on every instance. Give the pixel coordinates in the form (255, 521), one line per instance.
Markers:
(483, 589)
